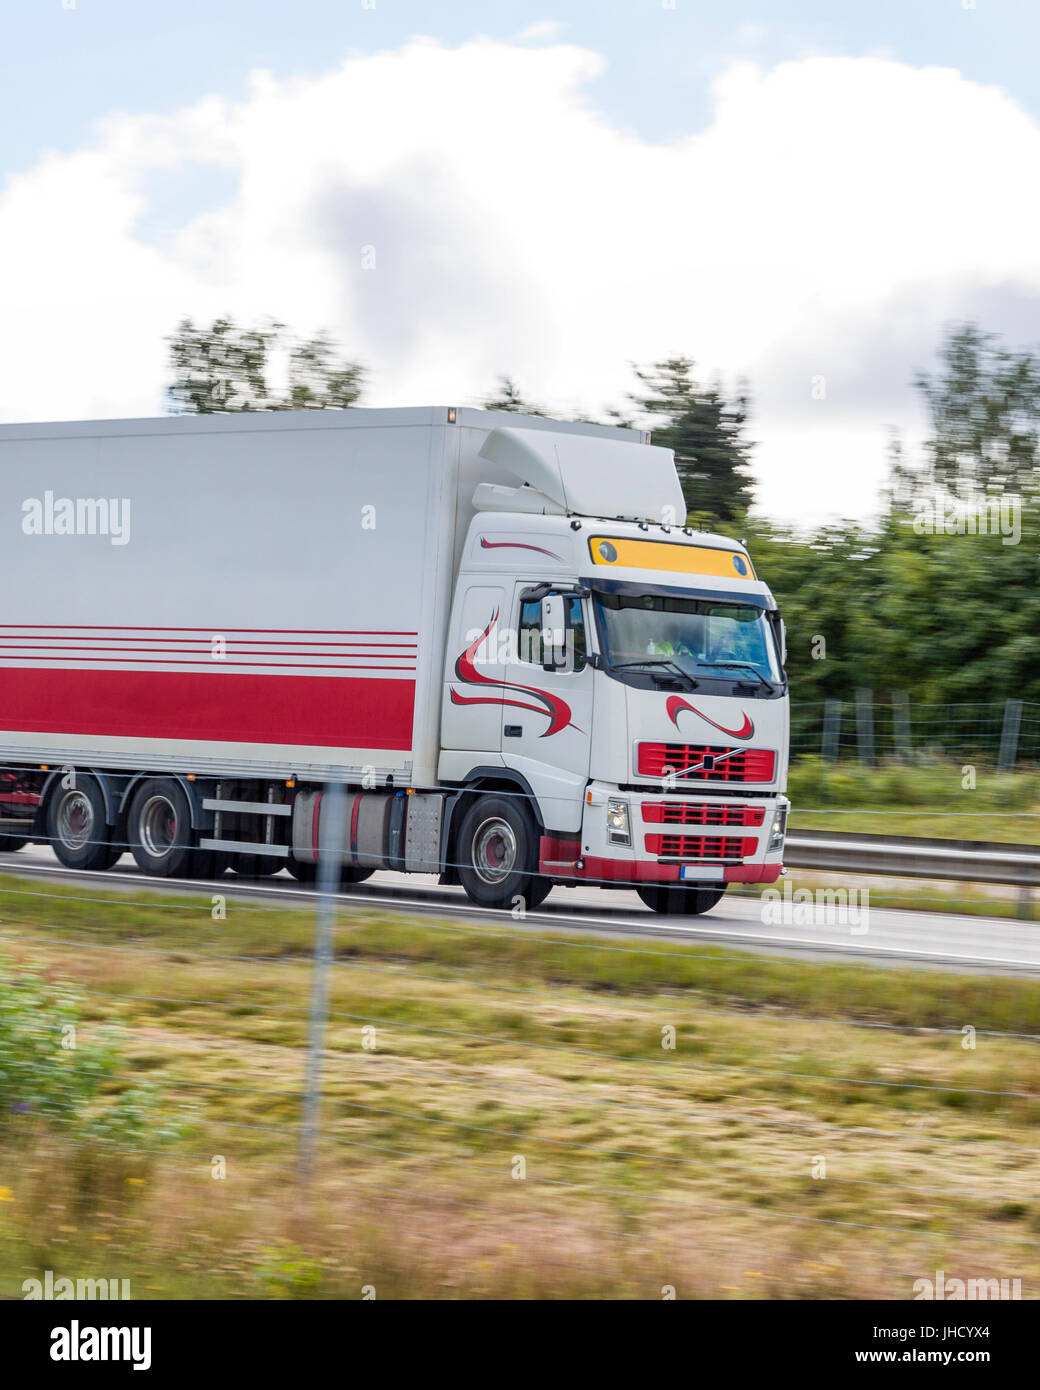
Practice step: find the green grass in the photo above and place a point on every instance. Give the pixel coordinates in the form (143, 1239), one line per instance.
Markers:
(645, 1166)
(926, 798)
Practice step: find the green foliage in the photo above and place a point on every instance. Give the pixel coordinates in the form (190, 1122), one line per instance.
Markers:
(706, 431)
(287, 1272)
(943, 618)
(225, 368)
(930, 783)
(78, 1089)
(984, 406)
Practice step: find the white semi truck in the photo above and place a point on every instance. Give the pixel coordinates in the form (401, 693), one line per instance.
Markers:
(493, 630)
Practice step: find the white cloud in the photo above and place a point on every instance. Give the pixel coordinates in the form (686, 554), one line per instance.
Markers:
(825, 223)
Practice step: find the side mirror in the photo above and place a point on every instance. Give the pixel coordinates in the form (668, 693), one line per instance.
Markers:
(554, 632)
(783, 645)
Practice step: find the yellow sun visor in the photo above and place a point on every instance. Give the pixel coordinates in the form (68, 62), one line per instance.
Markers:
(670, 555)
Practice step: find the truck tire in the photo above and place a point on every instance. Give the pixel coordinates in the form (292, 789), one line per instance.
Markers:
(673, 901)
(308, 873)
(497, 853)
(158, 827)
(77, 829)
(9, 843)
(255, 865)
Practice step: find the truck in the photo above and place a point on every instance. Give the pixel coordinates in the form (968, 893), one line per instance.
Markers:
(492, 636)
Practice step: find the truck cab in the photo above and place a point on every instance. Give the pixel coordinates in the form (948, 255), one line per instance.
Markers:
(626, 676)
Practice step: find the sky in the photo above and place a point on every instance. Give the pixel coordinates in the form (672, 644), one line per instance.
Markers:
(798, 196)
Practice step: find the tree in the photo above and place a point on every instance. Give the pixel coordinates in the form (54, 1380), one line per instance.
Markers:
(705, 430)
(984, 405)
(225, 368)
(509, 398)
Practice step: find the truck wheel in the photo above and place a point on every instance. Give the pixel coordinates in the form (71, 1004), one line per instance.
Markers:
(304, 872)
(678, 902)
(76, 826)
(10, 843)
(308, 873)
(498, 854)
(159, 829)
(255, 865)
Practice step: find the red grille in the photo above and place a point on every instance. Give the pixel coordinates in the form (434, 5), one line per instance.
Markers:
(736, 765)
(701, 846)
(691, 813)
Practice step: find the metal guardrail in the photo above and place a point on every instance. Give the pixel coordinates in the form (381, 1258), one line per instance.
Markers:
(971, 861)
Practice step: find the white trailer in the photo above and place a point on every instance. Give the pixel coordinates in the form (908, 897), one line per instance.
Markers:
(215, 617)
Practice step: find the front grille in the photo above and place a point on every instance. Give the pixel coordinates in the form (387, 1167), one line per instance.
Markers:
(700, 813)
(724, 764)
(701, 846)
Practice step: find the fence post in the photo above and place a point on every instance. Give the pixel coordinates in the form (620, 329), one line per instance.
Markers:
(332, 828)
(901, 725)
(1009, 735)
(831, 729)
(865, 726)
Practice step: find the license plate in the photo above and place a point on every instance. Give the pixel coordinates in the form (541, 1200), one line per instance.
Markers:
(701, 871)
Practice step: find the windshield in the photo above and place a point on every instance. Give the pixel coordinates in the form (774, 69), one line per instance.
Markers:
(704, 636)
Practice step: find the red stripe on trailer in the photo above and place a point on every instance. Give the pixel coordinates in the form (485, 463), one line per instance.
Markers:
(323, 711)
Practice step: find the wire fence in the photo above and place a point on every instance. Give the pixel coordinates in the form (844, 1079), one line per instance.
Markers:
(1002, 733)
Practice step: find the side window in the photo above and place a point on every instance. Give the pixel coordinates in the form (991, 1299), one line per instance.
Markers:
(576, 622)
(530, 632)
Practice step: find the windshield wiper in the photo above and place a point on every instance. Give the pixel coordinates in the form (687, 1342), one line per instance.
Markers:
(672, 666)
(743, 666)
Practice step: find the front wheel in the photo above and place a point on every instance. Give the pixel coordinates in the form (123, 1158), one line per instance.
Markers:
(498, 854)
(673, 901)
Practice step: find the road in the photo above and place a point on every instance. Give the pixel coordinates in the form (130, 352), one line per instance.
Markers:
(980, 945)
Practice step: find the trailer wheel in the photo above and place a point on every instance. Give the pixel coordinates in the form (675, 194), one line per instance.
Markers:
(77, 828)
(159, 829)
(498, 854)
(673, 901)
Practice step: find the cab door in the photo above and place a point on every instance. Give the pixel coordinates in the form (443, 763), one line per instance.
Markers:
(547, 715)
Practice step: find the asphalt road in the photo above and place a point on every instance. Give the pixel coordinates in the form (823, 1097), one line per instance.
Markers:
(980, 945)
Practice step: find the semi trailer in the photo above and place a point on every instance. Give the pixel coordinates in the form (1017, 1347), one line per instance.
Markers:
(495, 633)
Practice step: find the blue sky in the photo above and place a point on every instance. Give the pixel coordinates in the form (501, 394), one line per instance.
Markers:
(800, 196)
(61, 68)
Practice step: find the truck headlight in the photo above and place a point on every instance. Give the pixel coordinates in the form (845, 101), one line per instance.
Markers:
(617, 823)
(779, 827)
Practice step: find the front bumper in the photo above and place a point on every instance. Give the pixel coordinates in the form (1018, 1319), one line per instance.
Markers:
(693, 837)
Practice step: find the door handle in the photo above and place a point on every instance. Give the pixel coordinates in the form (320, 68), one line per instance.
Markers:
(513, 731)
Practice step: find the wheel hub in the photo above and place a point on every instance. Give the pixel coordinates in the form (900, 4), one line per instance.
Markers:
(158, 826)
(75, 820)
(494, 850)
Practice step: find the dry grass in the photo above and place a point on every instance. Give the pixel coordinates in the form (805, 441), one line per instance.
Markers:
(645, 1167)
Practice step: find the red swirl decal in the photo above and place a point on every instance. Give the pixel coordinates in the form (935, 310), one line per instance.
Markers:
(677, 703)
(558, 710)
(517, 545)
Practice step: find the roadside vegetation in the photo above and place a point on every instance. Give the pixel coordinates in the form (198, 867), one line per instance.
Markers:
(496, 1050)
(924, 797)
